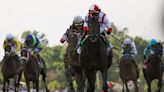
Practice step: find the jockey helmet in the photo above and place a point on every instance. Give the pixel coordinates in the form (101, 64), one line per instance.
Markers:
(78, 21)
(127, 41)
(9, 36)
(153, 42)
(29, 39)
(94, 9)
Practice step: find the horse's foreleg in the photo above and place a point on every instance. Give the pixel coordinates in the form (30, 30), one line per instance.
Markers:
(15, 83)
(37, 85)
(8, 84)
(28, 85)
(4, 84)
(126, 84)
(80, 81)
(44, 79)
(69, 80)
(159, 84)
(136, 86)
(149, 85)
(19, 78)
(91, 76)
(105, 85)
(123, 83)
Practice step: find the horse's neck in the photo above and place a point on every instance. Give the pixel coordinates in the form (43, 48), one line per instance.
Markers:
(10, 60)
(72, 45)
(155, 62)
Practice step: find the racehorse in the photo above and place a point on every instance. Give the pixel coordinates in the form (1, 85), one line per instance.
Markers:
(32, 70)
(94, 56)
(11, 68)
(154, 67)
(72, 64)
(128, 69)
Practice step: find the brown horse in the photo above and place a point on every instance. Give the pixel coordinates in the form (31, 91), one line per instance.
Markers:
(11, 68)
(32, 70)
(94, 56)
(154, 67)
(72, 64)
(128, 69)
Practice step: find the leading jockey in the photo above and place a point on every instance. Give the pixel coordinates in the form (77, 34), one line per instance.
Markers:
(33, 44)
(104, 23)
(133, 51)
(10, 39)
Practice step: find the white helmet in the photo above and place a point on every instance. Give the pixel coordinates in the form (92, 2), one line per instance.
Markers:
(127, 41)
(78, 20)
(9, 36)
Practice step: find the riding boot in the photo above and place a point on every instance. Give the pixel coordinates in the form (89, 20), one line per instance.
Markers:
(137, 70)
(39, 60)
(162, 66)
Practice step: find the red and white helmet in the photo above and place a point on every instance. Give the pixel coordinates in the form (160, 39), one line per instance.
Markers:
(94, 9)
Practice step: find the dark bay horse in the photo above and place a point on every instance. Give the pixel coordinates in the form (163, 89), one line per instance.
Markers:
(72, 64)
(11, 68)
(154, 67)
(32, 70)
(94, 56)
(128, 69)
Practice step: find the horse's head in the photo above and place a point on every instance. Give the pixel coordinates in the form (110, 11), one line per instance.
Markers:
(127, 49)
(155, 57)
(73, 41)
(25, 55)
(158, 49)
(8, 49)
(93, 25)
(94, 28)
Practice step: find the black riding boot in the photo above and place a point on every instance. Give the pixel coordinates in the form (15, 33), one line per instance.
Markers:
(137, 69)
(162, 66)
(40, 62)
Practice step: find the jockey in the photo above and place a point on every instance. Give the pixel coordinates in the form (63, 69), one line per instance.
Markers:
(149, 50)
(105, 25)
(10, 39)
(33, 44)
(133, 51)
(76, 25)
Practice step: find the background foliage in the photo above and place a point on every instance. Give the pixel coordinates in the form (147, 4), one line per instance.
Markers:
(53, 57)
